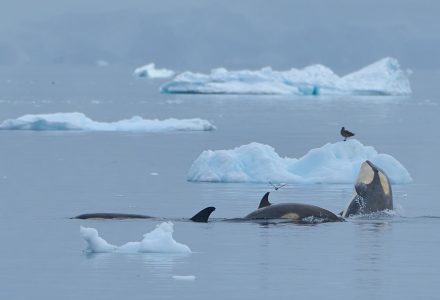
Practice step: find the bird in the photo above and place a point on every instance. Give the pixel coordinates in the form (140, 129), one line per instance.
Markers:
(278, 186)
(346, 134)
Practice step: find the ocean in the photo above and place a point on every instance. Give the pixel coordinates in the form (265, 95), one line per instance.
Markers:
(46, 177)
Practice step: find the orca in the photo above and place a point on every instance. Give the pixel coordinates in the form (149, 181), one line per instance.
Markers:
(203, 215)
(111, 216)
(296, 212)
(372, 192)
(200, 217)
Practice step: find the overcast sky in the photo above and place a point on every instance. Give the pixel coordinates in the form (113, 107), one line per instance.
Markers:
(200, 35)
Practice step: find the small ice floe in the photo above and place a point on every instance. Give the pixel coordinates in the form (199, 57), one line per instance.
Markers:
(384, 77)
(332, 163)
(102, 63)
(160, 240)
(184, 277)
(176, 101)
(78, 121)
(154, 174)
(428, 102)
(150, 71)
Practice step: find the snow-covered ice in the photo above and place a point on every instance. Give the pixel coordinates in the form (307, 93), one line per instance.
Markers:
(160, 240)
(78, 121)
(332, 163)
(384, 77)
(150, 71)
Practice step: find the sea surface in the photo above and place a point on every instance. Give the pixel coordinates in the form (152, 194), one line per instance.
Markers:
(48, 177)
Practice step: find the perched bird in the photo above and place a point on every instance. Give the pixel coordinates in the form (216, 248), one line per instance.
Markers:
(346, 134)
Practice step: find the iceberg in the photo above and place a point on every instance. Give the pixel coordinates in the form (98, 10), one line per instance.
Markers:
(332, 163)
(160, 240)
(150, 71)
(78, 121)
(384, 77)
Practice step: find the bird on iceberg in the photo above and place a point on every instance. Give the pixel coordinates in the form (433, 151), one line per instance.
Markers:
(346, 134)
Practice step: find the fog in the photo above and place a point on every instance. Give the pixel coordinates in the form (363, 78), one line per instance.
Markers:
(200, 35)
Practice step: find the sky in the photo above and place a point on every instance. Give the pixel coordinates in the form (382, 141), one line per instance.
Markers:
(200, 35)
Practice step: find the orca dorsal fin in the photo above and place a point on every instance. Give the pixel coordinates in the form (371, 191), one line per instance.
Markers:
(265, 201)
(203, 215)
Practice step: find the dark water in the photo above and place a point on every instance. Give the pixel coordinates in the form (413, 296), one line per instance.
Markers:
(47, 177)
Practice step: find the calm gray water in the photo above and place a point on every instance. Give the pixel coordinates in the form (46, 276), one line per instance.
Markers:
(47, 177)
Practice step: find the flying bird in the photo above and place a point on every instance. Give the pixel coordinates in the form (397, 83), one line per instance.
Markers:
(346, 134)
(277, 186)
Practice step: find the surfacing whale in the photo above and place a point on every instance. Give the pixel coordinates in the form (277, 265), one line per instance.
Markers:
(115, 216)
(372, 192)
(292, 211)
(200, 217)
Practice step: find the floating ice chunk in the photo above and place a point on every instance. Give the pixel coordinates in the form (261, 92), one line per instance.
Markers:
(102, 63)
(149, 71)
(78, 121)
(332, 163)
(95, 243)
(384, 77)
(184, 277)
(160, 240)
(177, 101)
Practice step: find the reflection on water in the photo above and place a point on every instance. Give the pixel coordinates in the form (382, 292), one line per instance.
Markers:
(161, 260)
(370, 253)
(157, 264)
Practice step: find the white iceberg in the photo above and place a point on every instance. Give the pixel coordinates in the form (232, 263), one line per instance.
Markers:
(384, 77)
(78, 121)
(332, 163)
(150, 71)
(160, 240)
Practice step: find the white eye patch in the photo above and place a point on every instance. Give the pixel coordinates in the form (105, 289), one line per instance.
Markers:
(366, 174)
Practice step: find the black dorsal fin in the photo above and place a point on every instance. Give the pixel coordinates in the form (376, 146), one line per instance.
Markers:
(265, 201)
(203, 215)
